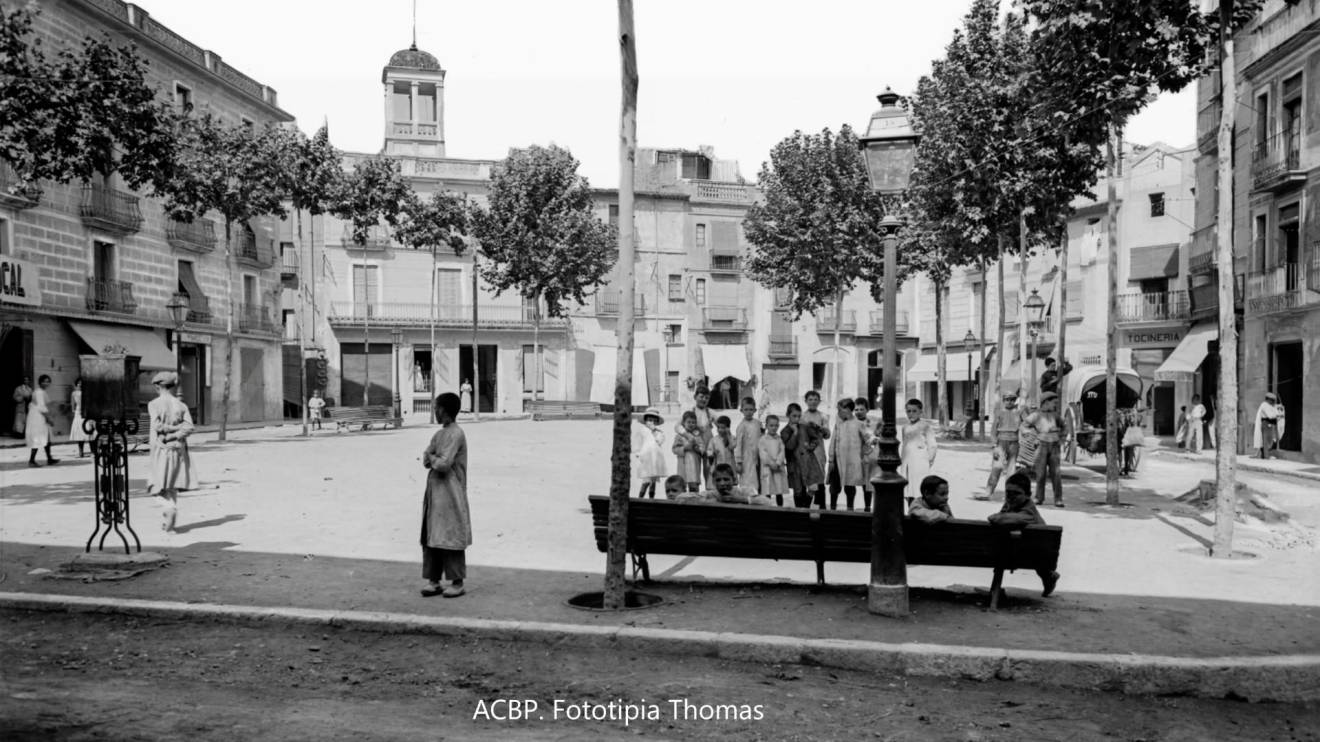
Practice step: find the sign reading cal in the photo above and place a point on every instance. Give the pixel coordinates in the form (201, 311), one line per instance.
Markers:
(18, 282)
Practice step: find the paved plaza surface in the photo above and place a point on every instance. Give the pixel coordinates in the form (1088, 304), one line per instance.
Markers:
(332, 522)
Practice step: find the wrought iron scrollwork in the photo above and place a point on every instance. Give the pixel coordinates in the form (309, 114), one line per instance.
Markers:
(110, 467)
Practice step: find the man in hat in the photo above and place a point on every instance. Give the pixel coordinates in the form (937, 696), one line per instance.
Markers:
(171, 465)
(1269, 426)
(1004, 433)
(1049, 430)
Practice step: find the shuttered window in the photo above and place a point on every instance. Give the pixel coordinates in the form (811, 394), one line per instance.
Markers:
(188, 285)
(366, 282)
(1076, 299)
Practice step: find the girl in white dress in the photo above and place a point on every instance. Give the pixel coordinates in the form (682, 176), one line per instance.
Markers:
(649, 455)
(37, 431)
(76, 432)
(917, 446)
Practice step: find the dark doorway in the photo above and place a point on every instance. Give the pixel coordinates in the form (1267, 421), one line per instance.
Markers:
(1163, 418)
(1287, 381)
(192, 380)
(361, 371)
(724, 394)
(252, 397)
(16, 349)
(485, 375)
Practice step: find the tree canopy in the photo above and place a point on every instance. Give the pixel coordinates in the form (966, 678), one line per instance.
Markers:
(435, 222)
(238, 171)
(539, 233)
(373, 193)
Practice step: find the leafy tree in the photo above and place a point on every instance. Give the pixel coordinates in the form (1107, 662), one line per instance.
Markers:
(373, 193)
(540, 236)
(85, 112)
(817, 231)
(240, 172)
(441, 221)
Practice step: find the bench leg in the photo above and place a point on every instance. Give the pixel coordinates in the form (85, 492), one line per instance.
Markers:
(820, 574)
(639, 564)
(995, 588)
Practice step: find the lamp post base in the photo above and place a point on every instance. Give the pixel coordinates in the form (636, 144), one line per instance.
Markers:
(887, 600)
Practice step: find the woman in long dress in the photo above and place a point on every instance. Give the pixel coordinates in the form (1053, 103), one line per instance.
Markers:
(38, 424)
(171, 466)
(917, 447)
(465, 396)
(76, 432)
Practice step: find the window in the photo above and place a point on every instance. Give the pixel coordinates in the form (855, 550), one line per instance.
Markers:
(426, 103)
(366, 282)
(673, 334)
(614, 215)
(103, 261)
(402, 99)
(290, 324)
(448, 290)
(1262, 118)
(250, 290)
(183, 99)
(1258, 242)
(696, 166)
(529, 368)
(701, 291)
(675, 287)
(5, 248)
(1157, 204)
(701, 235)
(421, 371)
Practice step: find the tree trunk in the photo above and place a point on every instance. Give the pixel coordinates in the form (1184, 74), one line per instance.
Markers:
(1064, 402)
(999, 329)
(615, 587)
(229, 335)
(302, 331)
(941, 360)
(838, 351)
(1112, 432)
(431, 385)
(476, 365)
(1226, 418)
(980, 386)
(1027, 391)
(536, 347)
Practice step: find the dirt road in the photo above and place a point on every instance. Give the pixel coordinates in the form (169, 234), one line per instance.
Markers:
(83, 677)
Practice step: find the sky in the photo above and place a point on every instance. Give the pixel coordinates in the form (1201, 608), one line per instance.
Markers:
(736, 75)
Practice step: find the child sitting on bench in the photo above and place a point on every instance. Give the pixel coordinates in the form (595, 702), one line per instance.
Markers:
(726, 490)
(1018, 512)
(933, 505)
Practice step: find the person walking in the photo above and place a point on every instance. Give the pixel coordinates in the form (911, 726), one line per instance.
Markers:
(22, 398)
(171, 465)
(1004, 433)
(1268, 427)
(76, 432)
(446, 521)
(37, 425)
(1195, 424)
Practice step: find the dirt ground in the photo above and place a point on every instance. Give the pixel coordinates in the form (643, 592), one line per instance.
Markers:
(85, 677)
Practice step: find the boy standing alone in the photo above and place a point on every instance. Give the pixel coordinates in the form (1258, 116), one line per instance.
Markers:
(446, 523)
(1004, 432)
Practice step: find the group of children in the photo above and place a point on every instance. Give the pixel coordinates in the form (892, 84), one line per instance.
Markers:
(1030, 443)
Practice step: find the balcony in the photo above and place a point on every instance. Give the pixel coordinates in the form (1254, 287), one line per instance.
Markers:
(289, 268)
(1207, 126)
(1276, 163)
(248, 250)
(14, 193)
(709, 190)
(1205, 241)
(407, 129)
(878, 323)
(199, 309)
(197, 236)
(378, 238)
(725, 264)
(723, 319)
(608, 304)
(255, 318)
(110, 296)
(827, 321)
(1275, 290)
(1203, 299)
(418, 314)
(113, 211)
(783, 348)
(1163, 306)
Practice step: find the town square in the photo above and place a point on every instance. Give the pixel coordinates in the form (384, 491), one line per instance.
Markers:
(962, 393)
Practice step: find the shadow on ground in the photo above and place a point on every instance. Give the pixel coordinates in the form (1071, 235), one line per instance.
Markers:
(941, 614)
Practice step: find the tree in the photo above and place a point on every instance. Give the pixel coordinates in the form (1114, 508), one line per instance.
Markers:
(816, 233)
(240, 172)
(87, 112)
(1099, 63)
(540, 235)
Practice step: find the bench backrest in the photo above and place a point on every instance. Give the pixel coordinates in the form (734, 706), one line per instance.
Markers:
(728, 530)
(376, 411)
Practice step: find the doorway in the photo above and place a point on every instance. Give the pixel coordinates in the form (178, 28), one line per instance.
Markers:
(16, 349)
(1287, 379)
(484, 375)
(252, 403)
(1163, 419)
(192, 380)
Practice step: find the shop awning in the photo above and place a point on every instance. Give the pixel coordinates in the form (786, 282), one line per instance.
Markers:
(721, 361)
(955, 365)
(135, 341)
(605, 369)
(1191, 351)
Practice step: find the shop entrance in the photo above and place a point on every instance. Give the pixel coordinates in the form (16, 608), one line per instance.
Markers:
(1286, 377)
(192, 380)
(483, 376)
(16, 349)
(1163, 419)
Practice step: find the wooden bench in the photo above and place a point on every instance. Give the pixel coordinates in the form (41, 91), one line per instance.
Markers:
(542, 409)
(366, 417)
(758, 532)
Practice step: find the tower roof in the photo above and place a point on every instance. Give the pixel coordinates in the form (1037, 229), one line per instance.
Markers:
(413, 58)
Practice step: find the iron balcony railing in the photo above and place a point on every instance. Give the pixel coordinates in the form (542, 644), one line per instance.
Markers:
(826, 321)
(1203, 297)
(255, 318)
(608, 303)
(199, 308)
(249, 250)
(1207, 126)
(783, 347)
(449, 315)
(289, 262)
(110, 296)
(377, 238)
(718, 318)
(1276, 161)
(14, 193)
(109, 209)
(878, 322)
(197, 235)
(726, 263)
(1159, 306)
(1205, 243)
(1274, 289)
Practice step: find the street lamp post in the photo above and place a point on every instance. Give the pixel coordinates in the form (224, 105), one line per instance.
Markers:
(396, 338)
(889, 147)
(1034, 307)
(178, 307)
(970, 406)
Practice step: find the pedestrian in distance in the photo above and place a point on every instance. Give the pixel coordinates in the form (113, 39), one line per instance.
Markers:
(1004, 434)
(1019, 512)
(1134, 437)
(38, 423)
(849, 445)
(1049, 430)
(316, 408)
(813, 416)
(800, 443)
(689, 451)
(171, 463)
(917, 444)
(22, 397)
(76, 432)
(1181, 436)
(1195, 424)
(932, 506)
(746, 446)
(648, 452)
(1268, 427)
(465, 396)
(446, 520)
(774, 465)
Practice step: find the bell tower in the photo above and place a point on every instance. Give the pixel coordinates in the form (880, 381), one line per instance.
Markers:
(414, 104)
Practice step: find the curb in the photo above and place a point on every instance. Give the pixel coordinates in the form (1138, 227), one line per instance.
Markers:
(1275, 678)
(1242, 465)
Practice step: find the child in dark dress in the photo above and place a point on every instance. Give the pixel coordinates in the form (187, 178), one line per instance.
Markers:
(1018, 512)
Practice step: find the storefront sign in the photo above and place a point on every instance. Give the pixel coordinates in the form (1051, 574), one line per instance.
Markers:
(1153, 337)
(19, 282)
(195, 338)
